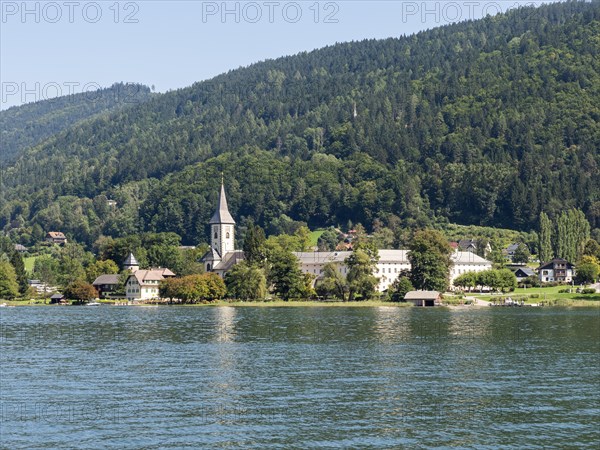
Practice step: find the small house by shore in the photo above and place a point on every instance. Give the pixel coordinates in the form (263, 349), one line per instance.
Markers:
(106, 284)
(57, 299)
(424, 298)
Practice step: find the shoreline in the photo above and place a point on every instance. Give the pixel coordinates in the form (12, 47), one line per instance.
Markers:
(316, 304)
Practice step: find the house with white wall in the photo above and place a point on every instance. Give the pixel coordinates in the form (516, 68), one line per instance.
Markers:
(557, 270)
(144, 284)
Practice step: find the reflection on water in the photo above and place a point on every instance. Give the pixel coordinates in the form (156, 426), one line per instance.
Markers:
(386, 377)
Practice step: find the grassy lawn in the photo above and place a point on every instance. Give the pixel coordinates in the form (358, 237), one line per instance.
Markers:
(26, 302)
(548, 294)
(314, 236)
(29, 262)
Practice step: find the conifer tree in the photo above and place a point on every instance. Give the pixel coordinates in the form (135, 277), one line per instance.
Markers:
(545, 245)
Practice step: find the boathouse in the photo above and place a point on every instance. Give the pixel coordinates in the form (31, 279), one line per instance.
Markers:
(424, 298)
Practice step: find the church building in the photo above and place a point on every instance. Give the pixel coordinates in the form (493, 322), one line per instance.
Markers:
(222, 255)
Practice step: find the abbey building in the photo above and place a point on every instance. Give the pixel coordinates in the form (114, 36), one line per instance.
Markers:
(222, 255)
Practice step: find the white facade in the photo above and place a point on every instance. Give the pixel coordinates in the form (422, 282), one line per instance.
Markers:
(222, 238)
(557, 270)
(146, 291)
(144, 284)
(391, 263)
(467, 262)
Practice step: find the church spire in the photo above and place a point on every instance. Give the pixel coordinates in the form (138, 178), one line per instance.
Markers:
(222, 228)
(222, 214)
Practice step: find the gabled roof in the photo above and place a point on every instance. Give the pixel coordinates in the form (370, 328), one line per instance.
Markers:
(321, 257)
(166, 272)
(106, 279)
(222, 215)
(56, 234)
(466, 243)
(468, 257)
(393, 256)
(144, 276)
(211, 255)
(526, 270)
(57, 296)
(229, 260)
(551, 264)
(422, 295)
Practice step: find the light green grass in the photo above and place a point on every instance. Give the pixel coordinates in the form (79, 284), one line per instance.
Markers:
(29, 263)
(548, 295)
(314, 237)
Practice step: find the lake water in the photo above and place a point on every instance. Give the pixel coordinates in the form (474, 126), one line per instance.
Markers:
(177, 377)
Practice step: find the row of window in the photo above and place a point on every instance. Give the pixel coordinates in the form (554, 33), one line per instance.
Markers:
(472, 269)
(131, 283)
(389, 270)
(137, 291)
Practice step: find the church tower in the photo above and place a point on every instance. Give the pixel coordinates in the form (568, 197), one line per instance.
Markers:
(222, 227)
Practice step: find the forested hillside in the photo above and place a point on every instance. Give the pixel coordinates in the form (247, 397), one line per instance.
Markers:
(28, 125)
(486, 123)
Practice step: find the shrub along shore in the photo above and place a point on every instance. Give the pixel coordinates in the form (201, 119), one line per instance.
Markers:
(562, 300)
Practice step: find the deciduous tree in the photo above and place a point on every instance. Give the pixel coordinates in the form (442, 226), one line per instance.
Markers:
(333, 282)
(101, 267)
(399, 288)
(429, 256)
(246, 282)
(522, 254)
(361, 265)
(81, 291)
(284, 275)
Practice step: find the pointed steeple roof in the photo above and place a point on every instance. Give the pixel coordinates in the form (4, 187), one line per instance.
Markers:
(130, 261)
(222, 215)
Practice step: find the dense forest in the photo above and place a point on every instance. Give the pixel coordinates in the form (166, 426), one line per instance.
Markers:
(29, 125)
(487, 122)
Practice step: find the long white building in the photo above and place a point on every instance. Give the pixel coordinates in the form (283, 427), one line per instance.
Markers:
(391, 263)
